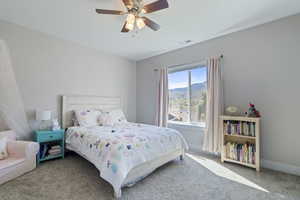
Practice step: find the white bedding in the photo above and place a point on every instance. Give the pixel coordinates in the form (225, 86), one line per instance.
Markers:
(115, 150)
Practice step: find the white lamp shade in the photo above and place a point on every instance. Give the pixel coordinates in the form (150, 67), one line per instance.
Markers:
(43, 115)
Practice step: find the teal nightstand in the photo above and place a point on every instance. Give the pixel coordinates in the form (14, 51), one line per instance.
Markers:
(48, 139)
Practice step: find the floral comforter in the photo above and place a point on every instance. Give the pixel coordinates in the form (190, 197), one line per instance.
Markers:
(115, 150)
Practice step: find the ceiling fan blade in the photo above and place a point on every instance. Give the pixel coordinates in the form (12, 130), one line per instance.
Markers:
(110, 12)
(155, 6)
(154, 26)
(128, 3)
(124, 29)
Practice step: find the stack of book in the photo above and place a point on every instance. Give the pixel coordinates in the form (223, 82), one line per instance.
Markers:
(54, 150)
(48, 150)
(241, 152)
(239, 128)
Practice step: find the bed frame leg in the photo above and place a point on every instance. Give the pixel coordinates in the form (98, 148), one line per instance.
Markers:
(181, 157)
(117, 193)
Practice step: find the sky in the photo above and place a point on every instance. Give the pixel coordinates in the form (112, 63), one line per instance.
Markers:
(180, 79)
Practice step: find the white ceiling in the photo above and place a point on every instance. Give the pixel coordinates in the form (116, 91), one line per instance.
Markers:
(196, 20)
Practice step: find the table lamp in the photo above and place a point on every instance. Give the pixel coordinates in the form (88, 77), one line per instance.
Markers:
(42, 116)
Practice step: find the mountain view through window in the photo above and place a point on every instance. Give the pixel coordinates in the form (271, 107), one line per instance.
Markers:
(187, 96)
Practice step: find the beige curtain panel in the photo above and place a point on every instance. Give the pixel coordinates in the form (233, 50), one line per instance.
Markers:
(163, 99)
(214, 108)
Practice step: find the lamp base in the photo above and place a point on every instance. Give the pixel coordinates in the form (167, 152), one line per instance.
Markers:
(43, 126)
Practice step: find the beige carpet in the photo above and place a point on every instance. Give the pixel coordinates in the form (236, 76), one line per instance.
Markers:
(197, 177)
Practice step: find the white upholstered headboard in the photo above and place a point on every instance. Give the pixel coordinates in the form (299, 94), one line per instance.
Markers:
(77, 102)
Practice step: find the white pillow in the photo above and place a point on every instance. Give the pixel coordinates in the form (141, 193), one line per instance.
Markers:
(74, 119)
(88, 118)
(3, 148)
(113, 117)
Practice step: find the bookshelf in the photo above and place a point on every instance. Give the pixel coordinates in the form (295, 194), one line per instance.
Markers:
(241, 140)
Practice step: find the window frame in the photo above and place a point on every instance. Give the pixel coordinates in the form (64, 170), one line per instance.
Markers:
(188, 67)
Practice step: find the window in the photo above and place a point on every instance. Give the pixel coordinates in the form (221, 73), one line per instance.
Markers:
(187, 95)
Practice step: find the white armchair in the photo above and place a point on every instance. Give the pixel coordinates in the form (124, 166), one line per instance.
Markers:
(21, 157)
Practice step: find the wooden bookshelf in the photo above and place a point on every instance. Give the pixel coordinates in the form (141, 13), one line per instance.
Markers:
(241, 138)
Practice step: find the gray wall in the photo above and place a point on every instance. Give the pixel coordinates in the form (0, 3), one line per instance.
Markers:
(261, 65)
(47, 67)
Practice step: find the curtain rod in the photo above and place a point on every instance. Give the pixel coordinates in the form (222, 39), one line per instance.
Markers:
(221, 56)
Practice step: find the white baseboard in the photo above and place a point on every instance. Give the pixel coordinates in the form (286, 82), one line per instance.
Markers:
(278, 166)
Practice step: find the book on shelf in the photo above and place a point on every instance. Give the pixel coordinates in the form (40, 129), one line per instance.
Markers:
(240, 152)
(54, 150)
(239, 128)
(55, 147)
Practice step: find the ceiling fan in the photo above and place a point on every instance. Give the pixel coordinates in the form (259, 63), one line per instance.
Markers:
(134, 9)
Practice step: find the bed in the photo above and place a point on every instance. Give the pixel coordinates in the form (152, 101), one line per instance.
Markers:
(123, 153)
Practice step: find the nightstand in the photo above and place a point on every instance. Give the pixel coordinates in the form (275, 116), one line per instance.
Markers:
(52, 144)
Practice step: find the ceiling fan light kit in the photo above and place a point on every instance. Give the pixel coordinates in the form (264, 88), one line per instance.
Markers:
(134, 9)
(129, 26)
(130, 18)
(140, 23)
